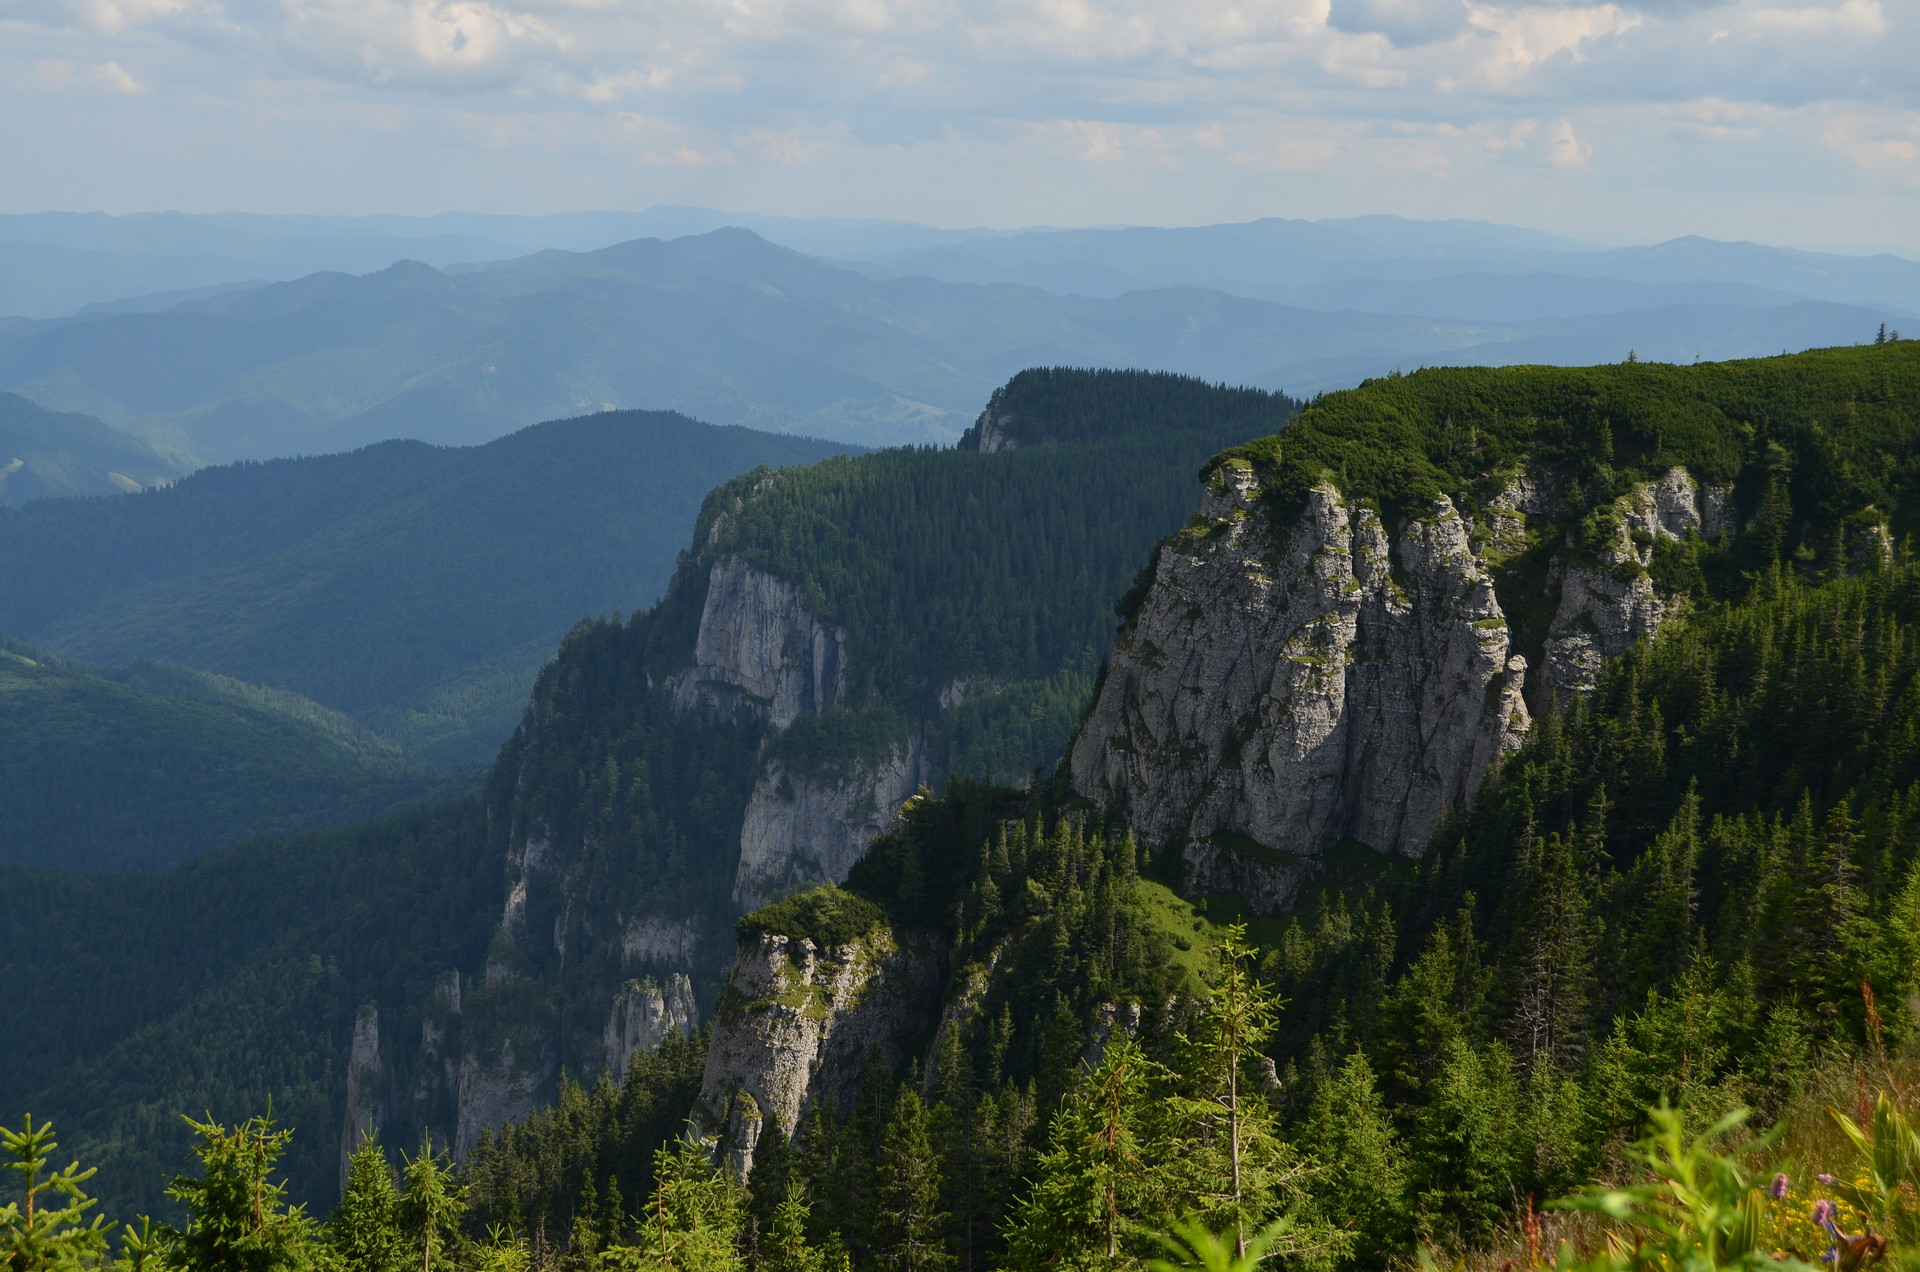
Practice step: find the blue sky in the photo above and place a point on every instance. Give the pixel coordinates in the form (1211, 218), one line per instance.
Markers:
(1775, 120)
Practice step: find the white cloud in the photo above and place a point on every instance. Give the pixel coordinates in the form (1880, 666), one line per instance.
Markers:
(1487, 107)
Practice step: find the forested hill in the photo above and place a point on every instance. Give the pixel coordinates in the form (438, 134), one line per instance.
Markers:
(45, 453)
(995, 570)
(415, 588)
(136, 768)
(1695, 879)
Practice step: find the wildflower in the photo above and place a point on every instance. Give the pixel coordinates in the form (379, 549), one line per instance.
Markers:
(1825, 1179)
(1823, 1212)
(1780, 1185)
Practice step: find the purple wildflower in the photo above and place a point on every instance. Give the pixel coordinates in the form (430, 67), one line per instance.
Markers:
(1823, 1211)
(1825, 1179)
(1780, 1185)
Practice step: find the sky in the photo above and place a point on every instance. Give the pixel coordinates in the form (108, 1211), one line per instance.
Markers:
(1781, 121)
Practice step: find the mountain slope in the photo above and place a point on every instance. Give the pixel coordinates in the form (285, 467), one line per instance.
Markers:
(963, 596)
(733, 329)
(141, 768)
(418, 589)
(44, 454)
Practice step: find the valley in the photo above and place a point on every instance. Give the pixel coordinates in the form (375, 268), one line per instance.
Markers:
(1519, 747)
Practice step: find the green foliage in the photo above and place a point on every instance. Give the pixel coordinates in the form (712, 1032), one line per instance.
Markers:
(529, 1178)
(1091, 1187)
(826, 915)
(55, 453)
(289, 939)
(1835, 417)
(990, 569)
(691, 1220)
(429, 1206)
(237, 1218)
(106, 774)
(364, 1229)
(46, 1229)
(417, 588)
(1700, 1212)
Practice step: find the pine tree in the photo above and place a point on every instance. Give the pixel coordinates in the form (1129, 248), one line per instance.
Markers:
(35, 1234)
(907, 1222)
(430, 1206)
(237, 1216)
(364, 1229)
(1090, 1185)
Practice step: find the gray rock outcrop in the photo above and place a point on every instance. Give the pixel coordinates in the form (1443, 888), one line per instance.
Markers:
(1281, 690)
(1284, 688)
(369, 1095)
(800, 830)
(1609, 603)
(644, 1014)
(797, 1024)
(757, 643)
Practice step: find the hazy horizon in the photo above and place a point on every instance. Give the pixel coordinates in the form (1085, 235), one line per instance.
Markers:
(1774, 121)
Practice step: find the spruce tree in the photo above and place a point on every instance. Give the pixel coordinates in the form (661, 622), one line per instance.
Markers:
(364, 1229)
(237, 1219)
(907, 1221)
(44, 1230)
(1361, 1184)
(691, 1223)
(1090, 1188)
(430, 1206)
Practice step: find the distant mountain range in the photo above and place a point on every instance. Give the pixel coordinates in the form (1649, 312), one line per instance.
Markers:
(48, 453)
(414, 589)
(730, 327)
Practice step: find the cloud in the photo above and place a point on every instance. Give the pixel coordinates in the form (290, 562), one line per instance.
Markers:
(1450, 106)
(59, 75)
(1405, 23)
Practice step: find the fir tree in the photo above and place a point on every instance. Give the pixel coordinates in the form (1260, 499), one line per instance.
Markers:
(237, 1219)
(364, 1229)
(907, 1222)
(44, 1230)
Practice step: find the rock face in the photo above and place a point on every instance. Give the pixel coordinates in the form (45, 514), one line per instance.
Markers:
(1608, 604)
(499, 1086)
(757, 643)
(802, 830)
(644, 1014)
(797, 1024)
(369, 1099)
(1283, 690)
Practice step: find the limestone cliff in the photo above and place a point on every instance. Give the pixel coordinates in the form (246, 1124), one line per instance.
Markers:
(369, 1094)
(758, 644)
(804, 829)
(644, 1014)
(1286, 687)
(797, 1024)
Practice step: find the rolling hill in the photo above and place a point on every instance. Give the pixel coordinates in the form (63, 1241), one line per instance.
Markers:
(731, 328)
(416, 588)
(44, 454)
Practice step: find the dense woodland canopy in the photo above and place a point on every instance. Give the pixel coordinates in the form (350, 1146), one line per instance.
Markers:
(653, 800)
(1698, 885)
(139, 767)
(417, 588)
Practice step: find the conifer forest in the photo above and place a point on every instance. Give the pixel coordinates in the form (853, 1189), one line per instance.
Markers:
(1469, 822)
